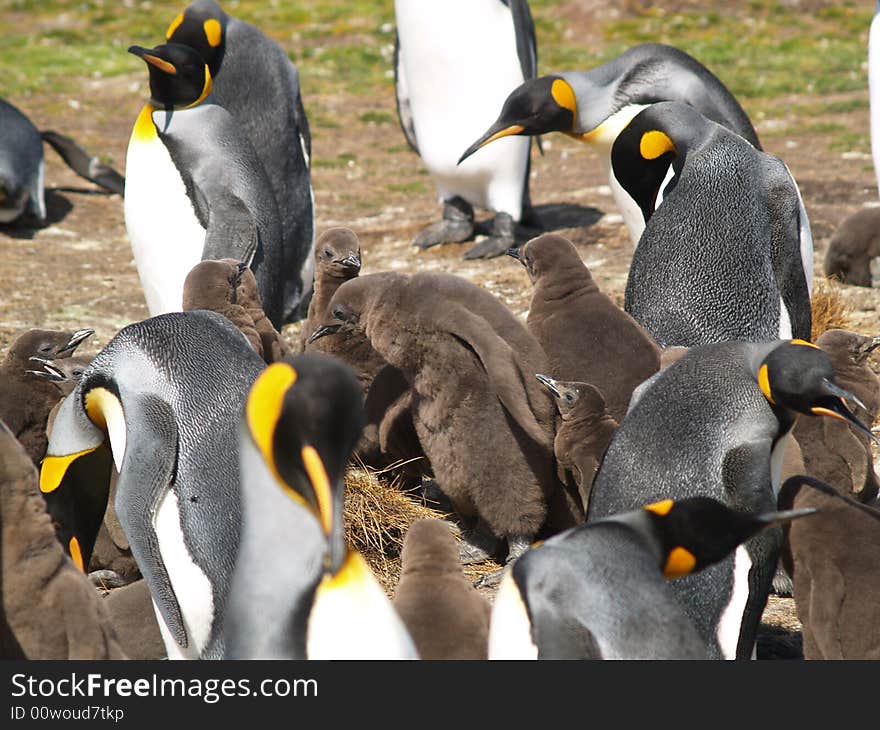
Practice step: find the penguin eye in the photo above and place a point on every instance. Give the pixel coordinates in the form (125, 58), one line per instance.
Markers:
(328, 254)
(340, 313)
(45, 349)
(569, 398)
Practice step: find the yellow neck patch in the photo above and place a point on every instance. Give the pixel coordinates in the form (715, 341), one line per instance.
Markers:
(175, 24)
(679, 562)
(144, 129)
(764, 383)
(54, 468)
(655, 143)
(660, 508)
(76, 554)
(320, 484)
(99, 401)
(206, 89)
(263, 409)
(563, 95)
(213, 32)
(805, 343)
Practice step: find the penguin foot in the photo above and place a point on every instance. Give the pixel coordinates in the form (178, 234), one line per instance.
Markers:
(107, 579)
(456, 226)
(516, 546)
(782, 584)
(492, 579)
(498, 243)
(477, 546)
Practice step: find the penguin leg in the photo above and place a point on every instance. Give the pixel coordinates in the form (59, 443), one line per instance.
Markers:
(502, 239)
(477, 545)
(457, 225)
(516, 546)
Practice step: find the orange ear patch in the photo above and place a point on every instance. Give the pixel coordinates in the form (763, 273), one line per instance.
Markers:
(655, 143)
(660, 508)
(213, 32)
(679, 562)
(563, 95)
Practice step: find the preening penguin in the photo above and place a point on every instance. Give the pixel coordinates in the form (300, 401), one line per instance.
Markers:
(255, 80)
(595, 105)
(724, 257)
(455, 63)
(190, 159)
(297, 591)
(599, 591)
(586, 336)
(163, 398)
(715, 423)
(22, 165)
(470, 364)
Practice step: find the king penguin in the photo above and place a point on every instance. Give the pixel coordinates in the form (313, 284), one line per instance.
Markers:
(298, 592)
(595, 105)
(723, 257)
(255, 80)
(598, 591)
(715, 423)
(455, 63)
(195, 187)
(163, 399)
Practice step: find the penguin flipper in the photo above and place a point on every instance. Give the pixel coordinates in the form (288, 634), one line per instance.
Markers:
(237, 238)
(147, 472)
(84, 164)
(401, 94)
(501, 365)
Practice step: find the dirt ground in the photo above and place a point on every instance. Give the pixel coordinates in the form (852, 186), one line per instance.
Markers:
(77, 270)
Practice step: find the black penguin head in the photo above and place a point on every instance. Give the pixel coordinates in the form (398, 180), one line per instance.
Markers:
(696, 532)
(179, 77)
(644, 150)
(798, 376)
(546, 104)
(338, 253)
(573, 397)
(201, 26)
(305, 416)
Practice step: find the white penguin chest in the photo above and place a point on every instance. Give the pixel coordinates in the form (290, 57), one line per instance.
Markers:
(165, 235)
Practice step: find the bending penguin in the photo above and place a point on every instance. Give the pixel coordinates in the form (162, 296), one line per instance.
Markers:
(22, 165)
(726, 411)
(256, 82)
(594, 106)
(599, 591)
(298, 592)
(162, 399)
(455, 63)
(723, 258)
(195, 187)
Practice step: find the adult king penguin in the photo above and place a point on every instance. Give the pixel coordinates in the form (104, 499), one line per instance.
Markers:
(163, 398)
(455, 63)
(715, 423)
(297, 591)
(724, 257)
(195, 187)
(595, 105)
(256, 82)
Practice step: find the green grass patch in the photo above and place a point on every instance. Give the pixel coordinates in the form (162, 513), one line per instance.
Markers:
(407, 187)
(377, 117)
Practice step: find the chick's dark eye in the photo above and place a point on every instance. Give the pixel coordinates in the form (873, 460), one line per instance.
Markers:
(45, 349)
(328, 254)
(338, 312)
(569, 398)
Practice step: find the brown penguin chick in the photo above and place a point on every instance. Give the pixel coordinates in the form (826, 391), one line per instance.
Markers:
(134, 620)
(248, 296)
(337, 259)
(26, 398)
(832, 559)
(854, 245)
(49, 609)
(832, 451)
(586, 336)
(445, 615)
(584, 433)
(213, 285)
(484, 422)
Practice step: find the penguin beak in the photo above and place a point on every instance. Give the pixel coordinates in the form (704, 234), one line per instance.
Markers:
(514, 254)
(549, 383)
(352, 261)
(148, 55)
(769, 519)
(498, 130)
(75, 339)
(322, 331)
(836, 408)
(242, 267)
(789, 489)
(49, 371)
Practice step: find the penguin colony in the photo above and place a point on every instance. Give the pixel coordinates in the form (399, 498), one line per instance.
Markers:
(624, 464)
